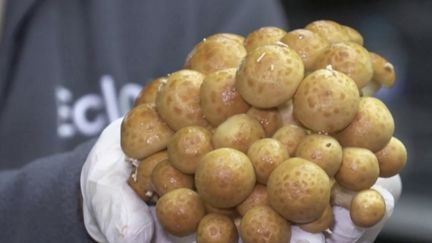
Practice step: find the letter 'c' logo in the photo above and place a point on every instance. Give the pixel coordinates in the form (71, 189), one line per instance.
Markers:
(90, 113)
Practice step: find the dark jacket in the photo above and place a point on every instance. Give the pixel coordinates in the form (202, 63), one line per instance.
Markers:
(68, 68)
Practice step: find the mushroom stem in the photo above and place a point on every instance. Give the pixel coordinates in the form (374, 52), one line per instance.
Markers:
(341, 196)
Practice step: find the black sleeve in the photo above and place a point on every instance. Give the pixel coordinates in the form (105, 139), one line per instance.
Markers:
(240, 16)
(41, 201)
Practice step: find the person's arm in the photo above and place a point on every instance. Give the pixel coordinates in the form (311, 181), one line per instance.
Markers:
(41, 201)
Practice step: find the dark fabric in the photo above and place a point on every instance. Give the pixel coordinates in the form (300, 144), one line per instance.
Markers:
(68, 68)
(40, 202)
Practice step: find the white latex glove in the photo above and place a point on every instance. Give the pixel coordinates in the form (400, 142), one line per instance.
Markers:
(114, 213)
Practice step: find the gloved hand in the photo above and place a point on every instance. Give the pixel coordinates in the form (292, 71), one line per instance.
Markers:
(114, 213)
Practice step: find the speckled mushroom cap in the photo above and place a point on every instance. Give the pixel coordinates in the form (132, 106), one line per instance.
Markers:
(178, 101)
(309, 45)
(143, 132)
(349, 58)
(330, 30)
(326, 101)
(372, 127)
(269, 75)
(219, 98)
(263, 36)
(216, 53)
(224, 177)
(299, 190)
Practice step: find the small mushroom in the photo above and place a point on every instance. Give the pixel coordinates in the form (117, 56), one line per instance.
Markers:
(143, 132)
(187, 147)
(367, 208)
(359, 169)
(392, 158)
(263, 36)
(299, 190)
(180, 211)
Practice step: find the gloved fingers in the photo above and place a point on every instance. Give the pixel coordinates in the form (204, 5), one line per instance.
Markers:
(344, 230)
(392, 184)
(112, 211)
(300, 236)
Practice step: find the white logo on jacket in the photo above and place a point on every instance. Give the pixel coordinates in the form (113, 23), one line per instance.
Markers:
(90, 113)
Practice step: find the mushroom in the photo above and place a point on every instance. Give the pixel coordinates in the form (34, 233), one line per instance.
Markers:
(323, 150)
(299, 190)
(238, 132)
(326, 101)
(359, 169)
(266, 154)
(219, 98)
(178, 101)
(367, 208)
(372, 127)
(269, 75)
(392, 158)
(180, 211)
(309, 45)
(216, 53)
(263, 36)
(224, 177)
(143, 132)
(187, 147)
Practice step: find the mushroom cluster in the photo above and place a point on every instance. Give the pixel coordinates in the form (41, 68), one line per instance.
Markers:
(262, 132)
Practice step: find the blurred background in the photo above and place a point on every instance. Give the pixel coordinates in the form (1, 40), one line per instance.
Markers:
(401, 31)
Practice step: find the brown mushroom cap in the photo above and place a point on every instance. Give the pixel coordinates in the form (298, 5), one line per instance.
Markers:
(367, 208)
(166, 177)
(187, 147)
(309, 45)
(290, 136)
(324, 222)
(269, 119)
(240, 39)
(326, 101)
(263, 36)
(354, 35)
(258, 197)
(263, 224)
(219, 97)
(224, 177)
(392, 158)
(269, 75)
(180, 211)
(141, 181)
(266, 154)
(349, 58)
(149, 93)
(238, 132)
(383, 70)
(178, 101)
(330, 30)
(359, 169)
(215, 54)
(299, 190)
(372, 127)
(323, 150)
(143, 132)
(229, 212)
(216, 228)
